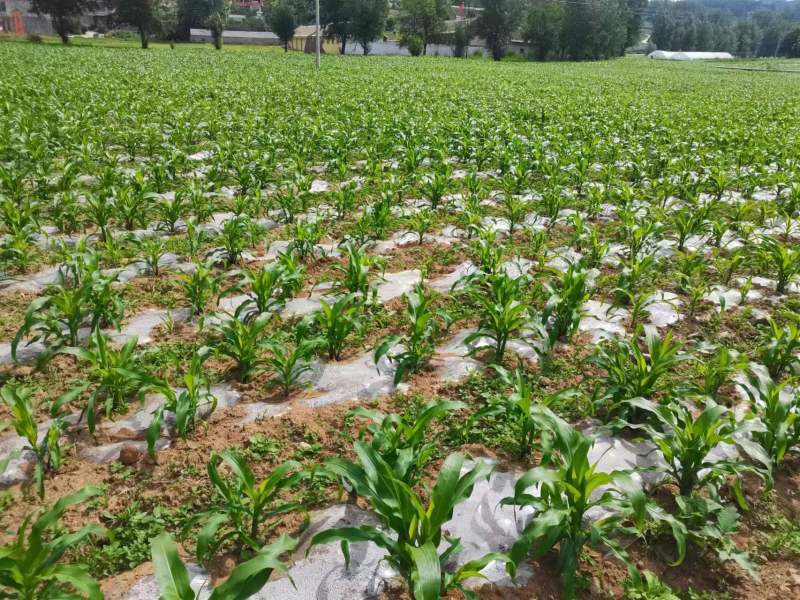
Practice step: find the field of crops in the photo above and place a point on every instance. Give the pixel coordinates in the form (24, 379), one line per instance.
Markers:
(503, 330)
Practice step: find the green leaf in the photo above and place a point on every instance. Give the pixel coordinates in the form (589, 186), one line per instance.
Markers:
(426, 577)
(170, 572)
(249, 577)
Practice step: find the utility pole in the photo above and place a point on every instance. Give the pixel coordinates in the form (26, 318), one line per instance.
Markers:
(318, 36)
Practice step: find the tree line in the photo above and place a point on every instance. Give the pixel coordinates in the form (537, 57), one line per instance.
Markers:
(743, 28)
(551, 29)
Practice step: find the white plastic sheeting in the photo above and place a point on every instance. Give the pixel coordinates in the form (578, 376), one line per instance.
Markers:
(668, 55)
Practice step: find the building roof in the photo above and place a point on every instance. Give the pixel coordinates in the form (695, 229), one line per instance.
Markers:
(232, 33)
(305, 31)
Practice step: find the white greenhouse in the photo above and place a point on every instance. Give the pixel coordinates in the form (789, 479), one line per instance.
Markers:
(668, 55)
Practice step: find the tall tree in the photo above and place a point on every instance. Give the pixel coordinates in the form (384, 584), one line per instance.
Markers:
(368, 18)
(461, 39)
(281, 21)
(62, 13)
(423, 18)
(140, 14)
(633, 24)
(543, 28)
(497, 22)
(218, 20)
(166, 14)
(336, 18)
(192, 13)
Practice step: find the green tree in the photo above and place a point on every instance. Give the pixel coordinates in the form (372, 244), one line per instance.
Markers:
(423, 19)
(790, 46)
(368, 18)
(218, 19)
(191, 13)
(543, 28)
(167, 18)
(497, 22)
(281, 21)
(461, 38)
(336, 18)
(62, 13)
(140, 14)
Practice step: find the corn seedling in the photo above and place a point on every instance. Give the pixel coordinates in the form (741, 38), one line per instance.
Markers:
(418, 527)
(568, 491)
(114, 378)
(401, 440)
(631, 372)
(246, 510)
(185, 402)
(242, 341)
(46, 451)
(32, 568)
(779, 353)
(245, 580)
(418, 345)
(337, 321)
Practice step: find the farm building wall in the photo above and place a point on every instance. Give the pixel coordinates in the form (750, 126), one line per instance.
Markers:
(18, 17)
(262, 38)
(393, 48)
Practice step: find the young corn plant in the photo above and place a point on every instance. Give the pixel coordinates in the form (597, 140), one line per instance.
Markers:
(199, 286)
(436, 186)
(184, 403)
(245, 580)
(521, 409)
(685, 441)
(289, 360)
(718, 369)
(633, 277)
(418, 346)
(562, 313)
(336, 322)
(418, 526)
(132, 207)
(779, 354)
(46, 451)
(267, 289)
(568, 490)
(514, 209)
(401, 440)
(234, 238)
(344, 201)
(420, 223)
(502, 316)
(688, 222)
(114, 378)
(245, 510)
(170, 211)
(293, 273)
(779, 260)
(777, 407)
(487, 251)
(56, 319)
(195, 237)
(100, 212)
(242, 341)
(306, 235)
(631, 372)
(32, 566)
(354, 273)
(152, 250)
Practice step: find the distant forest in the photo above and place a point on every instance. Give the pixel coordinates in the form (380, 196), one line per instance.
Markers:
(743, 27)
